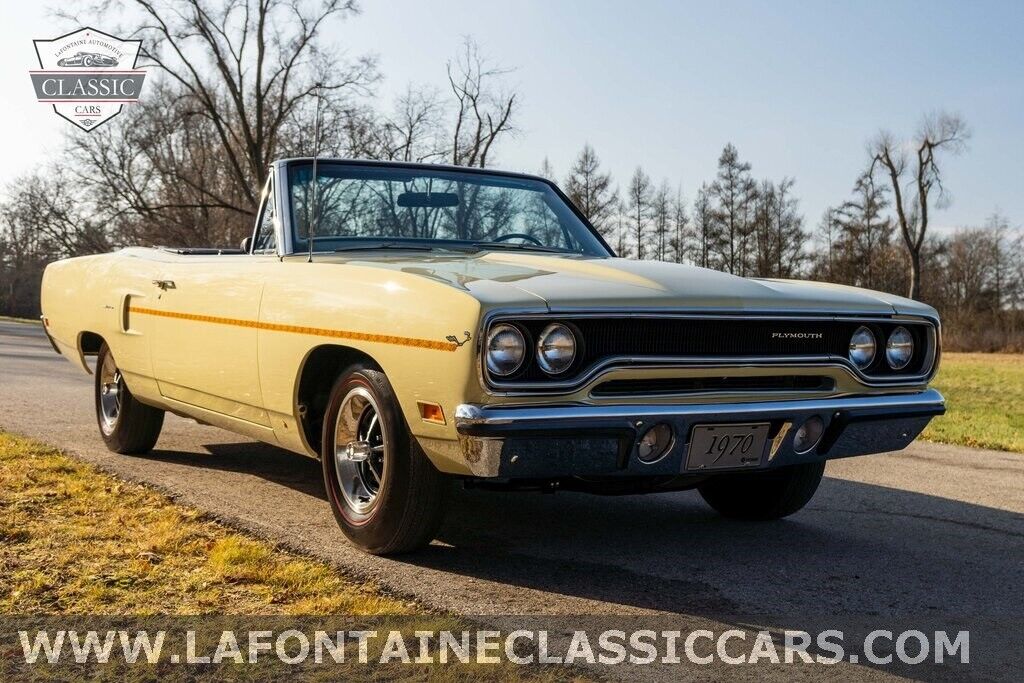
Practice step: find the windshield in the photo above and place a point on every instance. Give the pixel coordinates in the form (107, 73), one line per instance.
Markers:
(365, 206)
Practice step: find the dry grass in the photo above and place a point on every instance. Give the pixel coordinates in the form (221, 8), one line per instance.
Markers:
(75, 540)
(984, 401)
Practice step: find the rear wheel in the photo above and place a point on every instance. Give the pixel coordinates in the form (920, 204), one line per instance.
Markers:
(126, 425)
(763, 495)
(386, 495)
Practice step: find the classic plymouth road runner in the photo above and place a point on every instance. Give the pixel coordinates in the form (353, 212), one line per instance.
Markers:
(411, 325)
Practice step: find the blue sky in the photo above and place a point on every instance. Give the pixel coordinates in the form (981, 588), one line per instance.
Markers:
(798, 87)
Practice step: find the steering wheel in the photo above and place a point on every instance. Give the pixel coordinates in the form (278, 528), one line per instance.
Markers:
(518, 235)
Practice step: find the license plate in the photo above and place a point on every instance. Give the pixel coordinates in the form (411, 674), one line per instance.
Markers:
(727, 446)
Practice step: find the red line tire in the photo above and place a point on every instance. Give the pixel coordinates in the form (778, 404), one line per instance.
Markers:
(384, 506)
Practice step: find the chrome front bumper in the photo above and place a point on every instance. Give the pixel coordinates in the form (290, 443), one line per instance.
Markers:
(555, 441)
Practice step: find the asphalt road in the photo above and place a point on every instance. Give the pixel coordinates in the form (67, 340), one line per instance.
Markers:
(933, 530)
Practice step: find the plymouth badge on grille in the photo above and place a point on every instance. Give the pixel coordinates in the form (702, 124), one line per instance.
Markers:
(797, 335)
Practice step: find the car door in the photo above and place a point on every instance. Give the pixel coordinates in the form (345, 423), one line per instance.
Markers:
(204, 348)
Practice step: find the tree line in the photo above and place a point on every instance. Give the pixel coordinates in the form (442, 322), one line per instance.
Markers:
(735, 223)
(877, 238)
(233, 88)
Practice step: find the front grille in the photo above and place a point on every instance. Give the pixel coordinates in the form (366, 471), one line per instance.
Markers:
(600, 338)
(707, 385)
(672, 337)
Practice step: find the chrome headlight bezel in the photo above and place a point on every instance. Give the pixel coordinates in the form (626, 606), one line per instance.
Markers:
(504, 333)
(863, 347)
(556, 349)
(899, 351)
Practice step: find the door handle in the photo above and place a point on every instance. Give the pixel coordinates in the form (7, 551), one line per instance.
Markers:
(164, 284)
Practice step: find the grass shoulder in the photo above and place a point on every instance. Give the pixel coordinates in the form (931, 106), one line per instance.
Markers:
(984, 401)
(76, 540)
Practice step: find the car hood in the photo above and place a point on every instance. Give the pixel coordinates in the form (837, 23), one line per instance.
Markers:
(533, 280)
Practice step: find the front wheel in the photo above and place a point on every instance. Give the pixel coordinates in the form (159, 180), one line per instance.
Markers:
(126, 425)
(386, 495)
(763, 495)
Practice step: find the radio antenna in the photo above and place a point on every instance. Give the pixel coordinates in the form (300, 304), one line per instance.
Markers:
(316, 153)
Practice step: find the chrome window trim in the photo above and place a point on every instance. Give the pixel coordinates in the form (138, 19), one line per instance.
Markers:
(278, 196)
(284, 210)
(608, 365)
(286, 245)
(264, 198)
(267, 199)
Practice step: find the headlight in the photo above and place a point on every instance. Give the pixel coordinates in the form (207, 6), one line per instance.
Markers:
(900, 348)
(506, 350)
(862, 347)
(556, 349)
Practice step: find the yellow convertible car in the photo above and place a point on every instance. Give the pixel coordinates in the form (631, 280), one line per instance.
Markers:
(414, 325)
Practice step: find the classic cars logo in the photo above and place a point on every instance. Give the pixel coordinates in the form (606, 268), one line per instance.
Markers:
(87, 76)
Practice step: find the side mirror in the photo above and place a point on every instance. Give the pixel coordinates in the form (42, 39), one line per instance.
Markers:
(247, 244)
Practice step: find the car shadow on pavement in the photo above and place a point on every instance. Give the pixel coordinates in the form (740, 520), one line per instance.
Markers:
(859, 557)
(857, 548)
(262, 460)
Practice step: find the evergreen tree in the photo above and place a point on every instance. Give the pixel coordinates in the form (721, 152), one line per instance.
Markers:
(734, 193)
(639, 210)
(591, 191)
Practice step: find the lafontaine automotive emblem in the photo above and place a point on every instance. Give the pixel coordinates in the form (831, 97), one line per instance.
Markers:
(87, 76)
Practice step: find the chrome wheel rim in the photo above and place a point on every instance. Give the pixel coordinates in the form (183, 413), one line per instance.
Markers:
(111, 386)
(360, 450)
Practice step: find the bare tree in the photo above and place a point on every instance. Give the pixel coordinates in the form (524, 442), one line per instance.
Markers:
(980, 288)
(62, 219)
(229, 84)
(705, 227)
(661, 221)
(828, 229)
(260, 61)
(1004, 253)
(483, 110)
(45, 217)
(734, 192)
(546, 170)
(639, 209)
(622, 248)
(779, 236)
(916, 172)
(763, 229)
(865, 231)
(415, 131)
(591, 191)
(680, 241)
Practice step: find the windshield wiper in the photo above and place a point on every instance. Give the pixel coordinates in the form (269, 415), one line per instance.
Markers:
(371, 246)
(521, 247)
(408, 246)
(475, 246)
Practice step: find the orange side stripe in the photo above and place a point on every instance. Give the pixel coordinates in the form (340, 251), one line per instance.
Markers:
(299, 329)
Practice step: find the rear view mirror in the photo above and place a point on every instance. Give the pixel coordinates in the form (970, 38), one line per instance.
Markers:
(433, 200)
